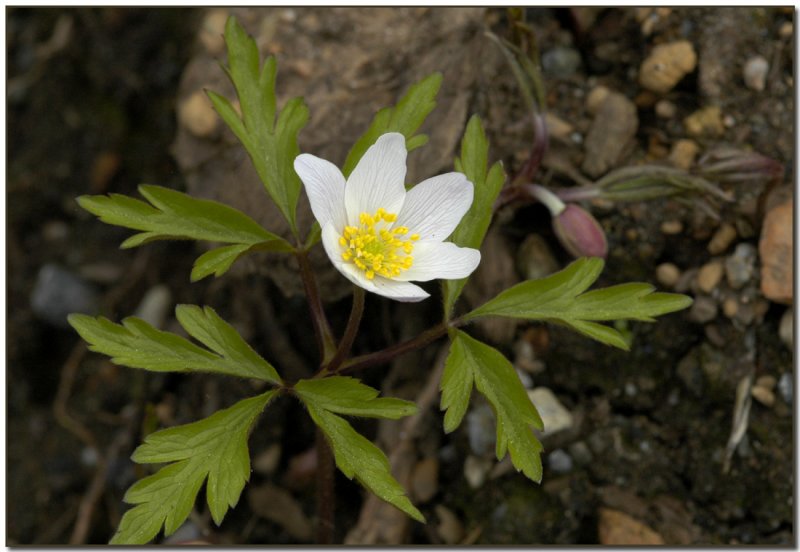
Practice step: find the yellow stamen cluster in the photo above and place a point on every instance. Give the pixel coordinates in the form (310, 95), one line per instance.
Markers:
(376, 248)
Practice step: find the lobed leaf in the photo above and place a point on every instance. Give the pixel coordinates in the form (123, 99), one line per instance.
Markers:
(472, 228)
(494, 377)
(137, 344)
(359, 458)
(560, 298)
(405, 117)
(214, 448)
(346, 395)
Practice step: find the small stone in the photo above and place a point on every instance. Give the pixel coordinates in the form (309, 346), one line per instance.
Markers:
(786, 328)
(704, 309)
(763, 395)
(481, 429)
(525, 360)
(450, 528)
(58, 293)
(786, 387)
(595, 98)
(197, 114)
(705, 123)
(580, 453)
(476, 469)
(266, 462)
(554, 415)
(559, 461)
(755, 73)
(671, 227)
(683, 153)
(619, 529)
(154, 305)
(535, 259)
(767, 382)
(666, 65)
(668, 274)
(55, 230)
(730, 307)
(561, 61)
(212, 31)
(666, 109)
(722, 239)
(709, 276)
(775, 250)
(425, 479)
(740, 267)
(786, 30)
(104, 168)
(102, 272)
(612, 129)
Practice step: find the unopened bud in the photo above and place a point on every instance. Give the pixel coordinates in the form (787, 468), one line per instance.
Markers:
(580, 233)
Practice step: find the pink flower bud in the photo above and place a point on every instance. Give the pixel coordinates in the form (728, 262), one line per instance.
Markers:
(580, 233)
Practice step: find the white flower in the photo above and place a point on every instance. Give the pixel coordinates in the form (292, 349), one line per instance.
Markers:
(380, 236)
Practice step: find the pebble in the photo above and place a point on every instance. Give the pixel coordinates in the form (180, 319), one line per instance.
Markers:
(535, 259)
(212, 31)
(704, 309)
(55, 230)
(709, 276)
(102, 272)
(722, 239)
(786, 328)
(595, 98)
(561, 61)
(425, 479)
(450, 528)
(580, 453)
(683, 153)
(755, 73)
(155, 305)
(559, 461)
(767, 382)
(730, 307)
(612, 129)
(481, 429)
(476, 469)
(58, 293)
(619, 529)
(558, 128)
(671, 227)
(266, 462)
(666, 65)
(763, 395)
(666, 109)
(786, 387)
(525, 360)
(668, 274)
(775, 250)
(104, 168)
(705, 122)
(786, 30)
(554, 415)
(740, 267)
(197, 114)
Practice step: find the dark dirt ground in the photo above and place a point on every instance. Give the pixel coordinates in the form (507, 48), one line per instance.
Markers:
(98, 101)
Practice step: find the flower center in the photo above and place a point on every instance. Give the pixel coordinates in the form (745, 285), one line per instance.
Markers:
(375, 247)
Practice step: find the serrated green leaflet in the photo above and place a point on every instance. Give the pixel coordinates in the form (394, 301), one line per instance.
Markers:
(357, 457)
(470, 360)
(272, 145)
(345, 395)
(137, 344)
(405, 117)
(214, 448)
(472, 228)
(560, 298)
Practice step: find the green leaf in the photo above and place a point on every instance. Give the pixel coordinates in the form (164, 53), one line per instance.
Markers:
(357, 457)
(214, 448)
(496, 379)
(345, 395)
(137, 344)
(405, 117)
(271, 145)
(217, 261)
(560, 298)
(472, 228)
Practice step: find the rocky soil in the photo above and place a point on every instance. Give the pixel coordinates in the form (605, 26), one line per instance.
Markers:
(687, 439)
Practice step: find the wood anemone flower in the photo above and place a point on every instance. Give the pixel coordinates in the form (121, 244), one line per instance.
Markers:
(381, 237)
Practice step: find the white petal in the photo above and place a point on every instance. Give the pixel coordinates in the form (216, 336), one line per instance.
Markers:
(324, 184)
(393, 289)
(445, 260)
(379, 178)
(434, 207)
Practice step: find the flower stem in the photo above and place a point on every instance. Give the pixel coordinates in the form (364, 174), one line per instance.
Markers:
(550, 200)
(349, 334)
(322, 329)
(325, 490)
(577, 194)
